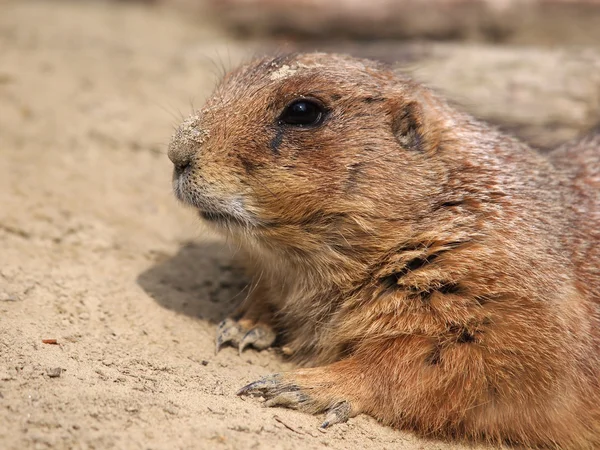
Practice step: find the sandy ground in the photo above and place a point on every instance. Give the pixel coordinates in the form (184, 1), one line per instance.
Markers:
(95, 252)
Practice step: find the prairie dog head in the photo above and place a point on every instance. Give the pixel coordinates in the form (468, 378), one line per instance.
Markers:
(303, 146)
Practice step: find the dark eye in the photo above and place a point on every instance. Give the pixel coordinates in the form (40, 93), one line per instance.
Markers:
(303, 113)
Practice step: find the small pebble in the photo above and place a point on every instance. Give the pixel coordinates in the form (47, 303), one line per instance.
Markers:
(54, 372)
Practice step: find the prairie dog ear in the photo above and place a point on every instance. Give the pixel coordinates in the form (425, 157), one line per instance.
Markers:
(414, 125)
(407, 124)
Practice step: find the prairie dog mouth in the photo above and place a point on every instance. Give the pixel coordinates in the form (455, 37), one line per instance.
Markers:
(212, 207)
(212, 216)
(227, 219)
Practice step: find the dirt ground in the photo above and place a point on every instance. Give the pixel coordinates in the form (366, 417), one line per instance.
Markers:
(96, 253)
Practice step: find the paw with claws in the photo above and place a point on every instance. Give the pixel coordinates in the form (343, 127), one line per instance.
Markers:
(244, 333)
(299, 390)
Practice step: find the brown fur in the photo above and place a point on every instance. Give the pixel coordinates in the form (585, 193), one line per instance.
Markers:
(431, 271)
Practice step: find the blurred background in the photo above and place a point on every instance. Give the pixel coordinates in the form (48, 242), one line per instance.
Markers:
(537, 22)
(96, 255)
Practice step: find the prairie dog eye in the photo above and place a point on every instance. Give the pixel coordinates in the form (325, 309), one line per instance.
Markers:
(304, 112)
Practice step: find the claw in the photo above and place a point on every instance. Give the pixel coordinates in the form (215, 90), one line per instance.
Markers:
(338, 413)
(261, 387)
(227, 331)
(281, 390)
(276, 392)
(289, 399)
(231, 331)
(259, 337)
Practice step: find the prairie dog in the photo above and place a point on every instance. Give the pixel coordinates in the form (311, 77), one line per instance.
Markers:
(421, 266)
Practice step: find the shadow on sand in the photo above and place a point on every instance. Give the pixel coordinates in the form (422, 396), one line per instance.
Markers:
(201, 281)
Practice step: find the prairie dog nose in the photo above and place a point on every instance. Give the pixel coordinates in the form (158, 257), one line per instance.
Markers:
(186, 141)
(181, 157)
